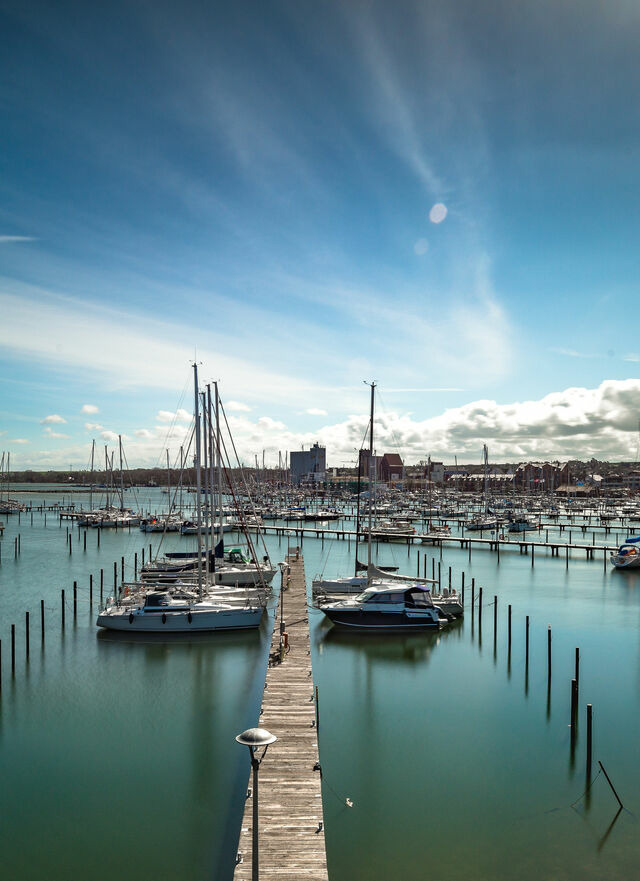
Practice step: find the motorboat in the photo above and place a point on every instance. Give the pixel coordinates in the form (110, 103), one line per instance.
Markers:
(387, 608)
(628, 554)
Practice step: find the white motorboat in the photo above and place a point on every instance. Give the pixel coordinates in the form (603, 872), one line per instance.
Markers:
(388, 608)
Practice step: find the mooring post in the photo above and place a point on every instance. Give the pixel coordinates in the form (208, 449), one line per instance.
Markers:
(75, 600)
(526, 650)
(480, 607)
(566, 556)
(473, 596)
(26, 634)
(317, 711)
(115, 580)
(135, 566)
(13, 649)
(42, 620)
(101, 583)
(462, 588)
(574, 702)
(589, 739)
(122, 570)
(62, 607)
(533, 554)
(549, 652)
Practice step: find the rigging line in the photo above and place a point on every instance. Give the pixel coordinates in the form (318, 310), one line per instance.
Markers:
(253, 509)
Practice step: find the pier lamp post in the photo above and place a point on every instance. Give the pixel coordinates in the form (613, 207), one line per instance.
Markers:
(254, 738)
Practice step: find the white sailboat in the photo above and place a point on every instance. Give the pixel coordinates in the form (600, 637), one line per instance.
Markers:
(176, 609)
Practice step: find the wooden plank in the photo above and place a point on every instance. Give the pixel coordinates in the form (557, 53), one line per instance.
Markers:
(292, 841)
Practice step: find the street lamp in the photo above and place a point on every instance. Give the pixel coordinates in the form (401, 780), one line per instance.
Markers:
(255, 738)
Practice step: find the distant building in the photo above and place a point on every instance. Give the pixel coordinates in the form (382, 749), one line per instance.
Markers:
(386, 469)
(308, 465)
(434, 472)
(533, 476)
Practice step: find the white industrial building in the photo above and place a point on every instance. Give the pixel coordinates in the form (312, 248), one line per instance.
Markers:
(309, 465)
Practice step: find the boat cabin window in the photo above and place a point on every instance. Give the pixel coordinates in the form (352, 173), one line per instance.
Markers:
(156, 599)
(417, 598)
(389, 598)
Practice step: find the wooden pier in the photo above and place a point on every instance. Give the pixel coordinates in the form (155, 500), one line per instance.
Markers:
(464, 541)
(292, 842)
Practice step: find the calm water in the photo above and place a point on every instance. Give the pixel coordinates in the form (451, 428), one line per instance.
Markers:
(117, 757)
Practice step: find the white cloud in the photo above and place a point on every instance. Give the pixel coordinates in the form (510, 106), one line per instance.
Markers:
(93, 426)
(421, 247)
(269, 424)
(316, 411)
(111, 436)
(144, 433)
(6, 240)
(236, 407)
(54, 419)
(18, 440)
(49, 432)
(169, 416)
(89, 409)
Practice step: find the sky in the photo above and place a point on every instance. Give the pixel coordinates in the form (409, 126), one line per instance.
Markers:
(440, 196)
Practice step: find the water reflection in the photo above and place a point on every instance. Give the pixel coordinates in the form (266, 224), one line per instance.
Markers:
(396, 648)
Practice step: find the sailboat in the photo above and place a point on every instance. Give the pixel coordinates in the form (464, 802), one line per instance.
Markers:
(182, 608)
(383, 605)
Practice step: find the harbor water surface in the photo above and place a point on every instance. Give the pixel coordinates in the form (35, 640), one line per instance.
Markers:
(443, 755)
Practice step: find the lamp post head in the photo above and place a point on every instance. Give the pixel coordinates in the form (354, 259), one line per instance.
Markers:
(256, 737)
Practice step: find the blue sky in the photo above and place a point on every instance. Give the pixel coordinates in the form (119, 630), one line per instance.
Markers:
(256, 183)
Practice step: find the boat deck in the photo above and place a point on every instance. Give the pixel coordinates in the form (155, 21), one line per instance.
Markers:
(292, 841)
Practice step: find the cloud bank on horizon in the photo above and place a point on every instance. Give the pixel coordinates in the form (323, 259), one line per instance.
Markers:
(575, 423)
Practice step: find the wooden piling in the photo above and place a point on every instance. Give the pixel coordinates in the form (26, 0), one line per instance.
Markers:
(574, 703)
(589, 739)
(13, 649)
(75, 600)
(549, 652)
(62, 607)
(26, 634)
(42, 621)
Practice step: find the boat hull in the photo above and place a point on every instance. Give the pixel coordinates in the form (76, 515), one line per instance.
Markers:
(391, 622)
(140, 621)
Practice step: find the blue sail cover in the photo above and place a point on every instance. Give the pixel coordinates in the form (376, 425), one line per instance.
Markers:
(632, 540)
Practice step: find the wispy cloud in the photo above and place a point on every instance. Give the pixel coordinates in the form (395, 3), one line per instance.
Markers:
(54, 419)
(316, 411)
(93, 426)
(49, 432)
(18, 440)
(573, 353)
(7, 240)
(236, 407)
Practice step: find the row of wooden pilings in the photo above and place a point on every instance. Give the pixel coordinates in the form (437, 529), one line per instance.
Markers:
(64, 605)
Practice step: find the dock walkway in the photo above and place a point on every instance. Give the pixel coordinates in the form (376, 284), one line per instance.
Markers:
(292, 842)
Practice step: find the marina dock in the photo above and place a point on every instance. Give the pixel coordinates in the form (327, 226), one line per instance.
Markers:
(292, 841)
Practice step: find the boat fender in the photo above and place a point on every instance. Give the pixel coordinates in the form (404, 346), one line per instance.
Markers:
(164, 618)
(189, 617)
(130, 617)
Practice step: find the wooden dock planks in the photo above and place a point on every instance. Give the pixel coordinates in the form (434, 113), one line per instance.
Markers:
(291, 822)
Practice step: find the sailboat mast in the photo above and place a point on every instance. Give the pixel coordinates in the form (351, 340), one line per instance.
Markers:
(198, 482)
(121, 475)
(93, 452)
(106, 473)
(212, 461)
(372, 470)
(218, 461)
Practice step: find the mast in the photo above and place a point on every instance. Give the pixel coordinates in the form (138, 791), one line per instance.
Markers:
(121, 475)
(212, 460)
(358, 508)
(219, 460)
(207, 489)
(372, 470)
(197, 466)
(93, 451)
(106, 473)
(168, 481)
